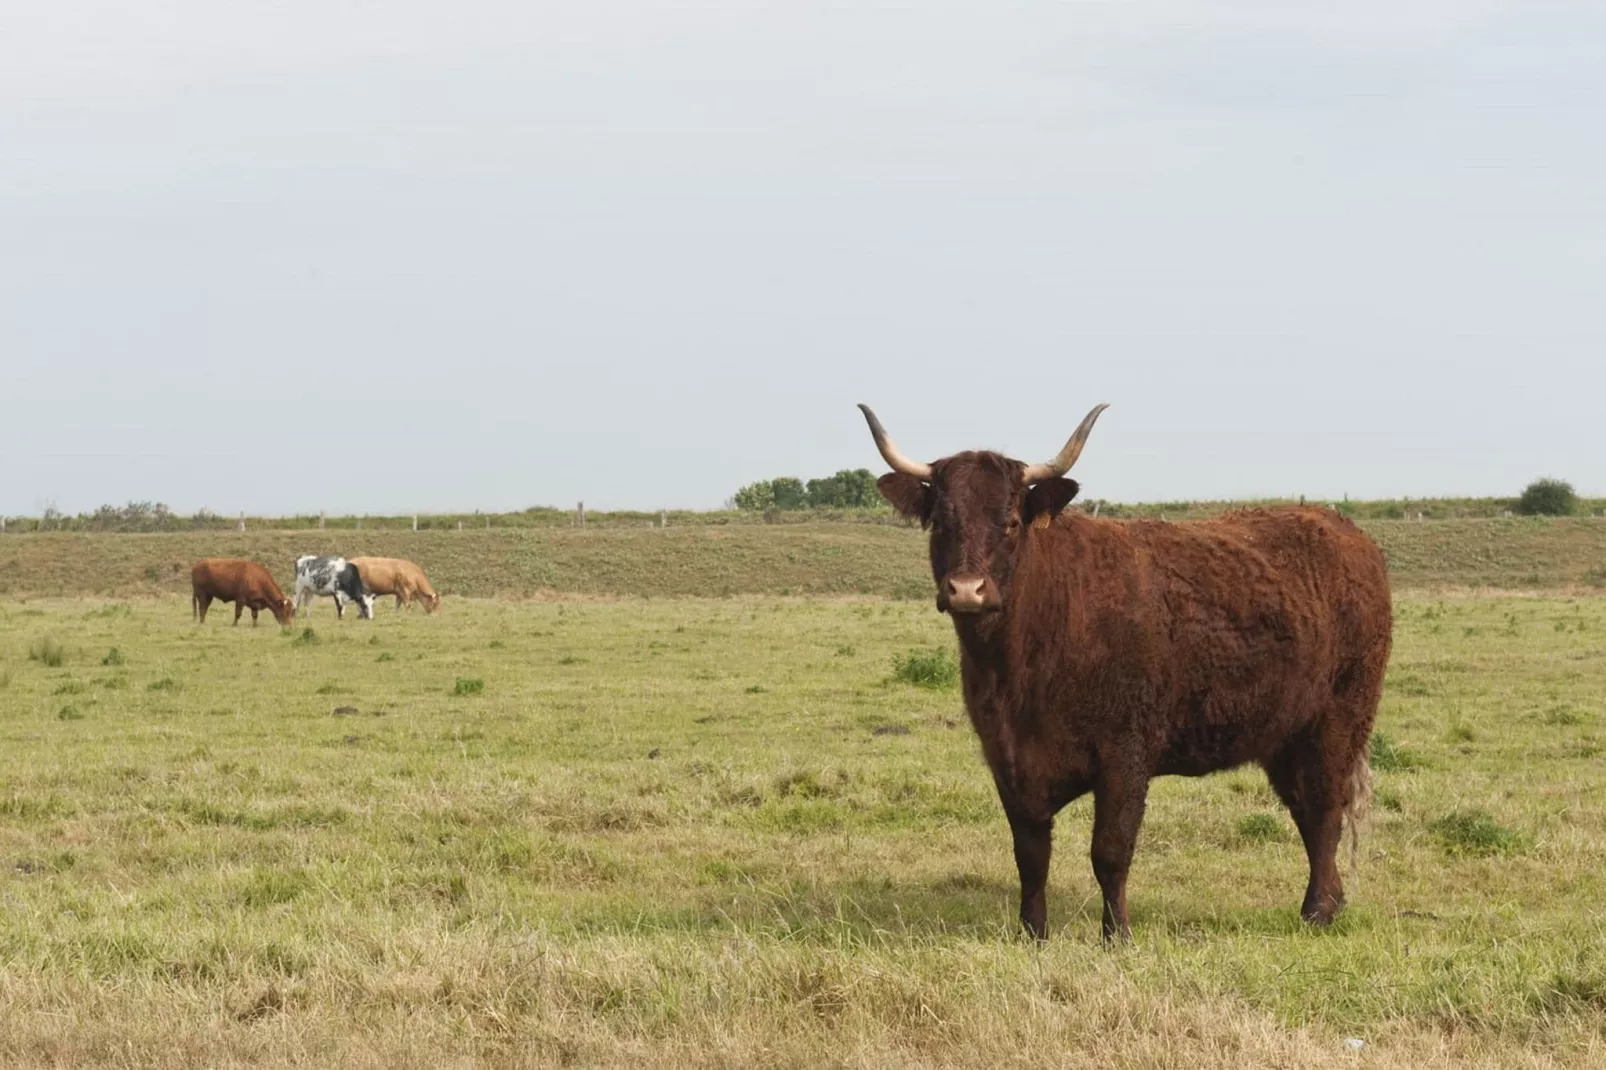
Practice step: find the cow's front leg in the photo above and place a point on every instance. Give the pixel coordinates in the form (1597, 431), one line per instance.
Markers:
(1118, 801)
(1034, 844)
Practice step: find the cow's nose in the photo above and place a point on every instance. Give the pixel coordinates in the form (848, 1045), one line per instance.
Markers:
(966, 594)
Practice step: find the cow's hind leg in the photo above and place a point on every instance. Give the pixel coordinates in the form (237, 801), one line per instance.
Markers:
(1313, 781)
(239, 607)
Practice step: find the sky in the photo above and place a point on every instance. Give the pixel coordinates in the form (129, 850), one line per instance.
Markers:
(365, 257)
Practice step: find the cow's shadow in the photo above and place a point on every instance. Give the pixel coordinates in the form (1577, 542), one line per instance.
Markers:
(974, 906)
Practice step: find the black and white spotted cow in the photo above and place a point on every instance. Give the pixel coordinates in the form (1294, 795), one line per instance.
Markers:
(333, 576)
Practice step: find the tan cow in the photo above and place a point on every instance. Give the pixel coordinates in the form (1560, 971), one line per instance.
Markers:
(393, 575)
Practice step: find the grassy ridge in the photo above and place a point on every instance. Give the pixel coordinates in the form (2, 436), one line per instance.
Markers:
(716, 561)
(719, 833)
(702, 562)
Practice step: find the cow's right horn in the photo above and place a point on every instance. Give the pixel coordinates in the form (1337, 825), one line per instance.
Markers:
(1036, 473)
(891, 453)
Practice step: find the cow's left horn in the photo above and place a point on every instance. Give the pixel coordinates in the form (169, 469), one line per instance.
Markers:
(891, 453)
(1036, 473)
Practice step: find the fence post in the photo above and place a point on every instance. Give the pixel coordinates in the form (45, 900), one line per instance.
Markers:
(2, 525)
(242, 521)
(1095, 508)
(359, 523)
(415, 521)
(323, 514)
(459, 525)
(663, 518)
(580, 513)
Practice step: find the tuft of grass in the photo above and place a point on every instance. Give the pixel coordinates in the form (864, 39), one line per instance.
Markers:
(1262, 827)
(1475, 832)
(308, 637)
(166, 683)
(1565, 715)
(47, 651)
(71, 687)
(113, 657)
(468, 685)
(69, 713)
(386, 656)
(268, 887)
(1390, 757)
(934, 668)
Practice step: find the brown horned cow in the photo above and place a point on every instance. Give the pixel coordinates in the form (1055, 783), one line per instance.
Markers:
(245, 583)
(397, 576)
(1098, 654)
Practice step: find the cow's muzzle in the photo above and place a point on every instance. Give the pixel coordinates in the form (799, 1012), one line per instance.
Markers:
(967, 593)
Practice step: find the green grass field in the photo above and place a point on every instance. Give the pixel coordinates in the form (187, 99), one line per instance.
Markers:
(720, 832)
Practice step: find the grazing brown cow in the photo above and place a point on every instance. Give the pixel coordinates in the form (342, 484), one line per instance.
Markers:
(1098, 654)
(245, 583)
(393, 575)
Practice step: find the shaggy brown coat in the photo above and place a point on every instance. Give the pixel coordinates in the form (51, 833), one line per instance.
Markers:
(1107, 653)
(399, 577)
(245, 583)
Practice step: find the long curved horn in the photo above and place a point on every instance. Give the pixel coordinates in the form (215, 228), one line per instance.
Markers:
(1036, 473)
(890, 453)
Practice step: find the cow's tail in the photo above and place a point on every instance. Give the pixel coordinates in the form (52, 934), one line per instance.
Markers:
(1359, 807)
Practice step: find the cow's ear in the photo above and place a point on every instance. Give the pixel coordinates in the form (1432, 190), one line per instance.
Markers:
(909, 496)
(1048, 497)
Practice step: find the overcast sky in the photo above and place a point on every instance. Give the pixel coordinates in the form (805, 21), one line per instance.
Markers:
(424, 256)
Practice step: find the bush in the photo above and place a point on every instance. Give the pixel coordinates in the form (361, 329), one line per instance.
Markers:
(848, 489)
(1390, 757)
(789, 493)
(926, 668)
(1548, 497)
(113, 657)
(468, 685)
(755, 497)
(1261, 828)
(1475, 832)
(48, 651)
